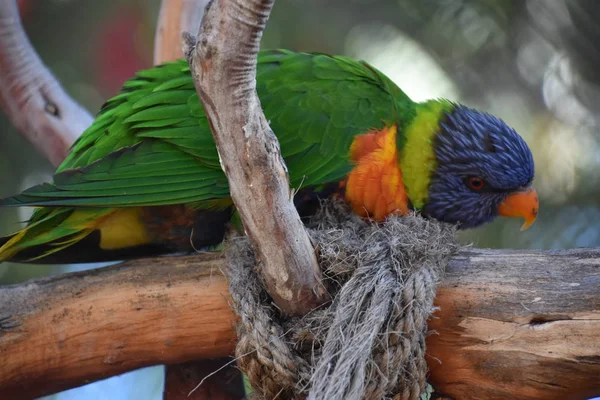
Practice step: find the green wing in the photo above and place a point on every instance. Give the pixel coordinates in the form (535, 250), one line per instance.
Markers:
(317, 104)
(151, 144)
(130, 155)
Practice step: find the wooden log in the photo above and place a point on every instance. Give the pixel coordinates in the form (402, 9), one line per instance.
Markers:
(512, 324)
(68, 330)
(518, 325)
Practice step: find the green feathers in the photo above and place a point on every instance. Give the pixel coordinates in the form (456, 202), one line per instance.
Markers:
(151, 144)
(58, 228)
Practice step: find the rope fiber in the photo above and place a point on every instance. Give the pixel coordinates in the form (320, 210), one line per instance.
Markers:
(369, 342)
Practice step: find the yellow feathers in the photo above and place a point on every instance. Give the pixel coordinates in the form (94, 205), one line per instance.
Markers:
(8, 250)
(58, 228)
(417, 157)
(123, 228)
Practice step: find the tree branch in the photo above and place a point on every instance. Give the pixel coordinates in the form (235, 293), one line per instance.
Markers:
(174, 18)
(31, 96)
(518, 325)
(64, 331)
(512, 325)
(223, 61)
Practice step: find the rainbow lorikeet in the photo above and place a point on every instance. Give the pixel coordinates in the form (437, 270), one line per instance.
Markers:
(145, 178)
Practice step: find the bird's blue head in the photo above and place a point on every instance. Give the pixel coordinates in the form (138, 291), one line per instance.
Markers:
(484, 169)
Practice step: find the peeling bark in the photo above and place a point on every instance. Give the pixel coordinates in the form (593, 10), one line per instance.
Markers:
(518, 325)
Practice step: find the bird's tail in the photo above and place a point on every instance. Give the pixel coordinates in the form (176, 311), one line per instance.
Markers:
(80, 235)
(49, 231)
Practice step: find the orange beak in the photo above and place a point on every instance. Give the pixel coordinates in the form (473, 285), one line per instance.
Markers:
(523, 204)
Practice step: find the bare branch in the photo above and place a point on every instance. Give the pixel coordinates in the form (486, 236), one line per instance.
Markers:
(176, 17)
(31, 96)
(224, 69)
(512, 325)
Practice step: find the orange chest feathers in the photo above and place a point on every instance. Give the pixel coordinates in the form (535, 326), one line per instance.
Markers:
(374, 188)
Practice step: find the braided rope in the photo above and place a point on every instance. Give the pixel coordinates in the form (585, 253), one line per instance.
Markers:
(369, 343)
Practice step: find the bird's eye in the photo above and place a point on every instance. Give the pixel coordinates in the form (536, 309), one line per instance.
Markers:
(476, 183)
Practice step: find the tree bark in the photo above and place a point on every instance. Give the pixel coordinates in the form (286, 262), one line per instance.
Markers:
(31, 96)
(68, 330)
(518, 325)
(223, 61)
(512, 325)
(174, 18)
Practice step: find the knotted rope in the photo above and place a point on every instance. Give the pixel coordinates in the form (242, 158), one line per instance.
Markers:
(369, 343)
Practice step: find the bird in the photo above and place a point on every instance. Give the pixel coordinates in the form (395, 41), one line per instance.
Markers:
(145, 178)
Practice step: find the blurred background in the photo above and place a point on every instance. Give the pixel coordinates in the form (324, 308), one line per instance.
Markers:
(533, 63)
